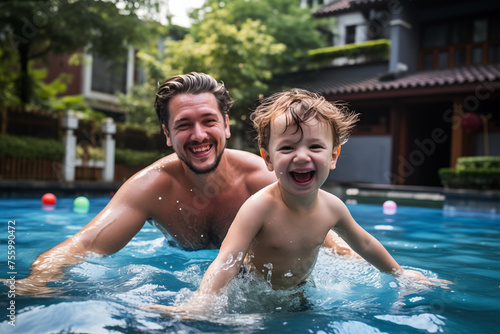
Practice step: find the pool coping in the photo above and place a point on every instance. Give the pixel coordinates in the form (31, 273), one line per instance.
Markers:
(36, 188)
(459, 200)
(369, 193)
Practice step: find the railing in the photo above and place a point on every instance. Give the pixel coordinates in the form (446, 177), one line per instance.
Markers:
(11, 168)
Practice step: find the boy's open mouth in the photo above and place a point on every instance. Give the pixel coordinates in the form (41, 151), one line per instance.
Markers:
(302, 177)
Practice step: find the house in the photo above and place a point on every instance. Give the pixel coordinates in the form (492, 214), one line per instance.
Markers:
(97, 79)
(434, 97)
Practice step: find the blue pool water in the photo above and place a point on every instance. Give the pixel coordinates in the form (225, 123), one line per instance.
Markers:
(103, 294)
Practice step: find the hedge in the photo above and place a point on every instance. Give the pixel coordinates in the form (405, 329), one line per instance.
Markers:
(480, 173)
(379, 47)
(30, 148)
(478, 162)
(133, 158)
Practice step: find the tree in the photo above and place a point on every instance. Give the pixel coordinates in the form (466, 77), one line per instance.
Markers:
(33, 29)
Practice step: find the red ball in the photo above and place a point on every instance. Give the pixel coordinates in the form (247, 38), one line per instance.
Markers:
(49, 199)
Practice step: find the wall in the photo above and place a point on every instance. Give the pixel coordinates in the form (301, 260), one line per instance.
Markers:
(493, 144)
(348, 20)
(364, 159)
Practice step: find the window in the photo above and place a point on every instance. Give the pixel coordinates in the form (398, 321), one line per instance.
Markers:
(464, 41)
(480, 30)
(435, 36)
(494, 54)
(102, 78)
(350, 34)
(108, 76)
(460, 57)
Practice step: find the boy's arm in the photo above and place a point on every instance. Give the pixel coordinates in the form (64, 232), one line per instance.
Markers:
(226, 266)
(372, 250)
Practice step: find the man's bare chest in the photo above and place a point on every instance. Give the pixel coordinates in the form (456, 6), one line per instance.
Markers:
(197, 219)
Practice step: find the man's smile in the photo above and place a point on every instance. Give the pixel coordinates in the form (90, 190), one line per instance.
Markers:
(201, 149)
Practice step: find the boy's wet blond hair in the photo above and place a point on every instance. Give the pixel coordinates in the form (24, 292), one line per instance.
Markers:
(299, 106)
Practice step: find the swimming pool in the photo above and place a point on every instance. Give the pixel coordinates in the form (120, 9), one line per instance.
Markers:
(102, 295)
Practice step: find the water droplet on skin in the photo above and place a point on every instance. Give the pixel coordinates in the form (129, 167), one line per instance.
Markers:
(180, 209)
(202, 235)
(288, 274)
(190, 189)
(177, 201)
(159, 198)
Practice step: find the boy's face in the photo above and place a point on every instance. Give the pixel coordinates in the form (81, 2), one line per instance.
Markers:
(197, 131)
(300, 165)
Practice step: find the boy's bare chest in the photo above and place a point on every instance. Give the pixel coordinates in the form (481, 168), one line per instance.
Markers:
(292, 233)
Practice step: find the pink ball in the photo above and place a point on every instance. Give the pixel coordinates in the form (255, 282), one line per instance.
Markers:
(49, 199)
(390, 207)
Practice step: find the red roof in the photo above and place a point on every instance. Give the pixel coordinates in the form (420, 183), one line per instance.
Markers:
(451, 78)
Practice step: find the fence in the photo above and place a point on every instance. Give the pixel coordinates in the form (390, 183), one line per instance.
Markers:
(47, 125)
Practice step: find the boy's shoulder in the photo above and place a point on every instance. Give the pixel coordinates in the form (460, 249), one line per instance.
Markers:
(331, 200)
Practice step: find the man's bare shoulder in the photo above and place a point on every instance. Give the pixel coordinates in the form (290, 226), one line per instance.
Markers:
(246, 159)
(252, 167)
(160, 174)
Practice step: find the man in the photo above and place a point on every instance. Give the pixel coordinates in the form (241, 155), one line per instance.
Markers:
(192, 195)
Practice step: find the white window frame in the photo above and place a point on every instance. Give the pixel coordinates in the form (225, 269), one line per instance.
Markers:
(87, 78)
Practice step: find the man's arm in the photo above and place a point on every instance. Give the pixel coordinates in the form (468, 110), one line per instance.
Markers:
(107, 233)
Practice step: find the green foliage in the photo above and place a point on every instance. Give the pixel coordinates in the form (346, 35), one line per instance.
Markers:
(379, 49)
(478, 162)
(94, 153)
(242, 43)
(138, 103)
(8, 96)
(32, 29)
(133, 158)
(480, 173)
(30, 148)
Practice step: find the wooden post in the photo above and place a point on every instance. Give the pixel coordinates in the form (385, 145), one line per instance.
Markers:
(457, 134)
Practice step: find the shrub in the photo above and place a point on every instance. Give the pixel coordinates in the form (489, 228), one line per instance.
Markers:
(30, 148)
(480, 173)
(133, 158)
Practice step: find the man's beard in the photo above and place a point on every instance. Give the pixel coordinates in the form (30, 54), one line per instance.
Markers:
(205, 170)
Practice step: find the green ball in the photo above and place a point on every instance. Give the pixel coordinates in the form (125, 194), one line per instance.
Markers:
(81, 204)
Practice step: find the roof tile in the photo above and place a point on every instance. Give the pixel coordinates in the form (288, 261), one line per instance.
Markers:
(431, 78)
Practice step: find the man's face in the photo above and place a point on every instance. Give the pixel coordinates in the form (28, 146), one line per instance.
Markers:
(197, 131)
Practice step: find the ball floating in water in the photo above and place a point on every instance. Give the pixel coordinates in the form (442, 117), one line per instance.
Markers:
(390, 207)
(81, 204)
(49, 199)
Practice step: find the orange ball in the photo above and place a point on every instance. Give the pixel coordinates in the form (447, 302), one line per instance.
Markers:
(49, 199)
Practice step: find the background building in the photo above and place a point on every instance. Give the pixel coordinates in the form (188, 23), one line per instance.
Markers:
(435, 95)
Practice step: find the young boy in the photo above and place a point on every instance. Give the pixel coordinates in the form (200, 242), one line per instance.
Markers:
(278, 232)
